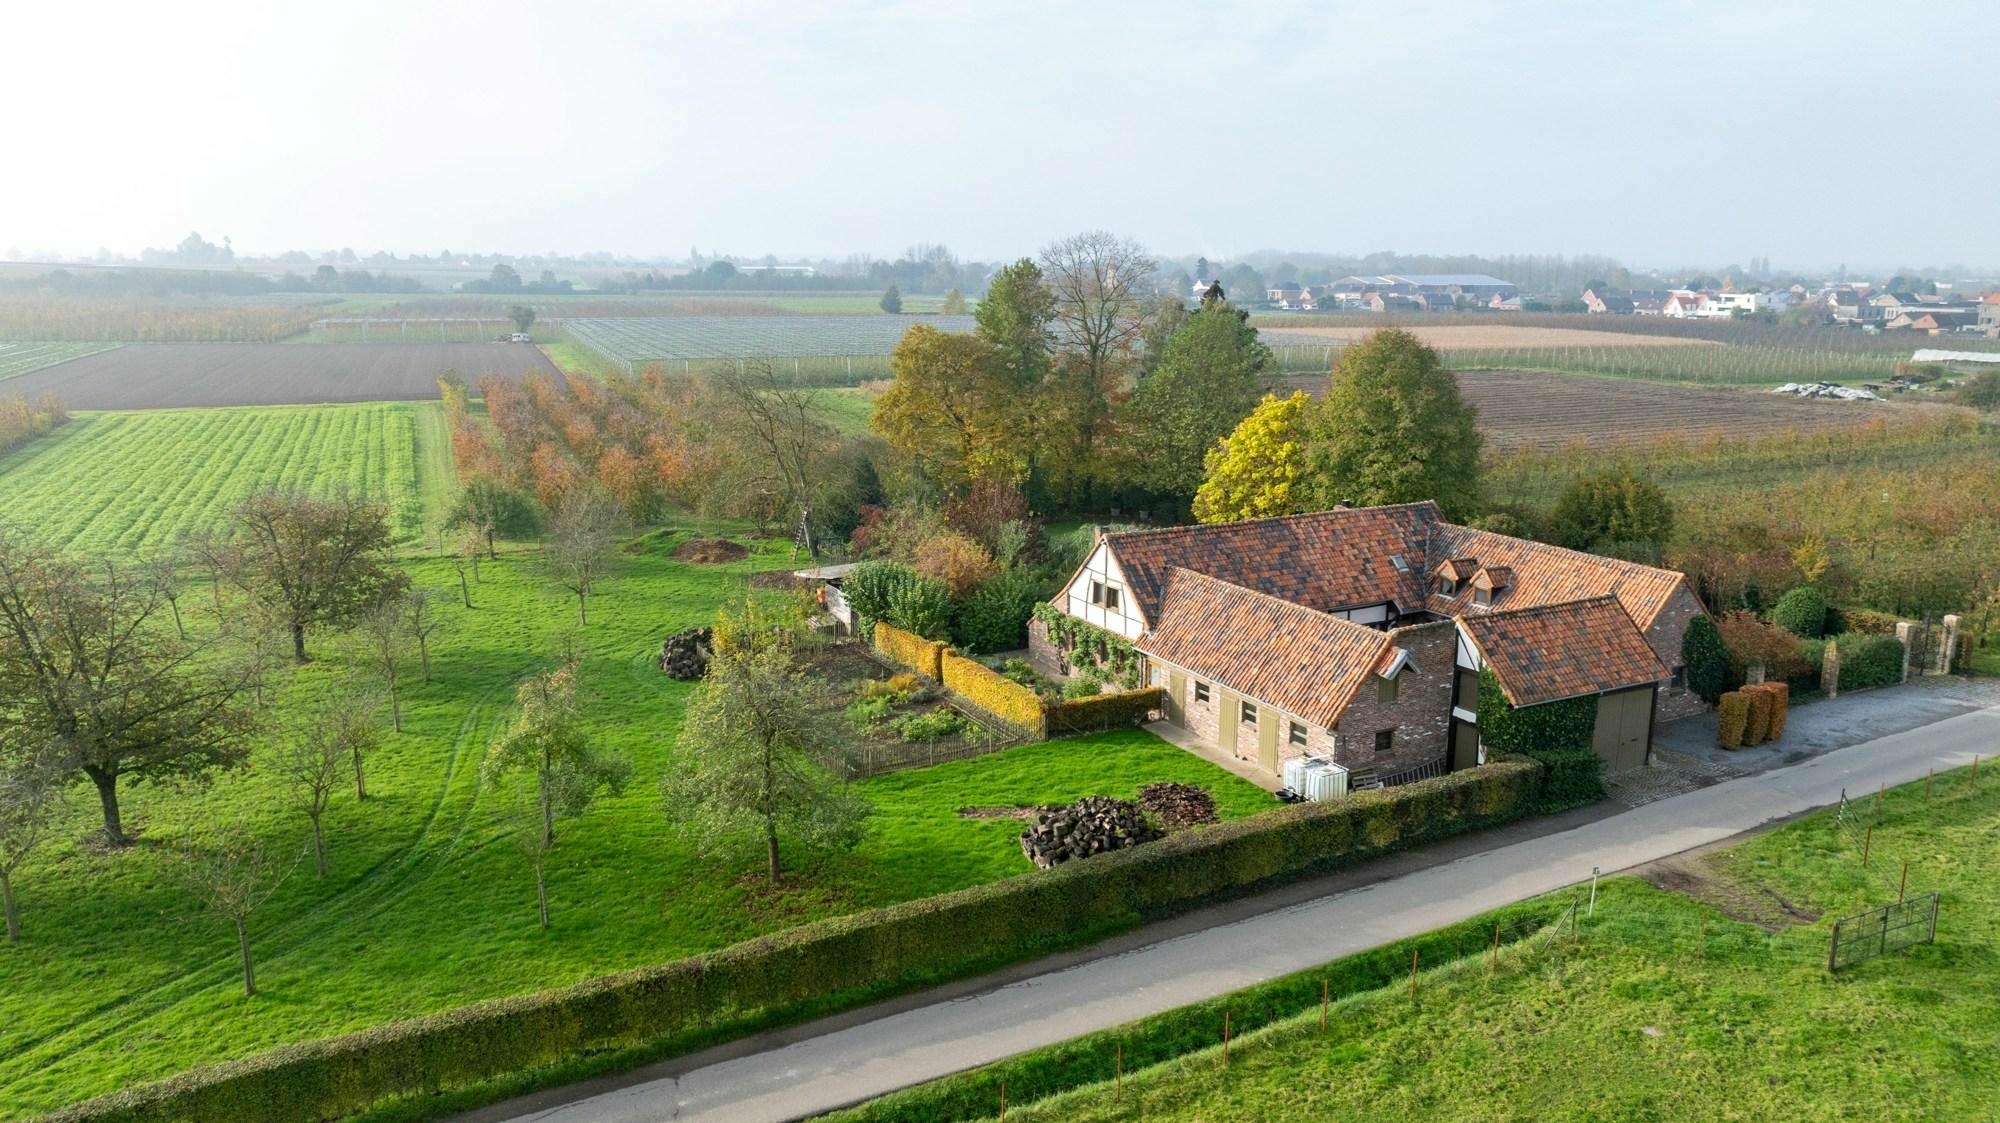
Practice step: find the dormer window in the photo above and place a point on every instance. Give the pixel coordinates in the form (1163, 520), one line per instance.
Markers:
(1482, 595)
(1446, 586)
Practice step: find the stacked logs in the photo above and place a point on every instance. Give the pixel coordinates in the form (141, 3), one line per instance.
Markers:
(685, 654)
(1178, 805)
(1094, 824)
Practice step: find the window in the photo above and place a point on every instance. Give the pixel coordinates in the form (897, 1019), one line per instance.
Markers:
(1447, 587)
(1111, 598)
(1297, 735)
(1097, 592)
(1385, 740)
(1200, 691)
(1385, 689)
(1104, 596)
(1249, 713)
(1481, 595)
(1467, 697)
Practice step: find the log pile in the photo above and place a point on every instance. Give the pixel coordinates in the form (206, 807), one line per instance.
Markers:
(685, 654)
(1094, 824)
(1178, 805)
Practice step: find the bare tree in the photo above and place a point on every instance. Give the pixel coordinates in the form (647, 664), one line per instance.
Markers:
(382, 629)
(31, 794)
(233, 879)
(164, 571)
(312, 755)
(87, 667)
(1098, 283)
(775, 425)
(420, 616)
(317, 561)
(580, 534)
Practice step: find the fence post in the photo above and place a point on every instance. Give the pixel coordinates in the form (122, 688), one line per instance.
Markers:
(1929, 775)
(1493, 958)
(1413, 974)
(1975, 770)
(1701, 934)
(1593, 890)
(1325, 993)
(1225, 1038)
(1003, 1099)
(1904, 883)
(1119, 1089)
(1879, 792)
(1867, 841)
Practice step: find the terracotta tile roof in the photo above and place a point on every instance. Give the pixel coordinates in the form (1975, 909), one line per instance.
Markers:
(1276, 651)
(1540, 574)
(1325, 560)
(1559, 651)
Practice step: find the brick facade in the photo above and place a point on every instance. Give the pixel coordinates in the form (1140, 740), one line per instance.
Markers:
(1665, 636)
(1421, 714)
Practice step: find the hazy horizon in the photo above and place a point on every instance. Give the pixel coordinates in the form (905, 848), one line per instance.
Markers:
(1661, 137)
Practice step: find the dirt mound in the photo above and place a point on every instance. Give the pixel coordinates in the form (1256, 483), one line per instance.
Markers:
(711, 551)
(1178, 805)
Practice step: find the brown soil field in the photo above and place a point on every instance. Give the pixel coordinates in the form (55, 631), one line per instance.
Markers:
(1530, 408)
(1478, 337)
(179, 375)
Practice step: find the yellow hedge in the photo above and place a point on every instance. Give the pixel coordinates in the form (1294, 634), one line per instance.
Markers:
(1781, 707)
(913, 651)
(1757, 727)
(1732, 714)
(1104, 711)
(993, 692)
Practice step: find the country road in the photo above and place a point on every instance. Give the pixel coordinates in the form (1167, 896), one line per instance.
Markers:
(811, 1070)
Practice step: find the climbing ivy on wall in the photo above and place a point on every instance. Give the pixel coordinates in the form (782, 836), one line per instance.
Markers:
(1084, 642)
(1556, 735)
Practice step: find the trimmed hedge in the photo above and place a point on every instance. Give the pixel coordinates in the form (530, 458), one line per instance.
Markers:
(1732, 718)
(1781, 707)
(1105, 711)
(992, 691)
(1706, 659)
(1557, 735)
(1802, 612)
(1842, 620)
(1867, 660)
(1757, 727)
(913, 651)
(935, 937)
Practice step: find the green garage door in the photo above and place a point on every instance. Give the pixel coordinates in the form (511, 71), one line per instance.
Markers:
(1624, 728)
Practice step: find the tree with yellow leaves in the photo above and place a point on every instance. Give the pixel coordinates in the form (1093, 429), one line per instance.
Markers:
(951, 410)
(1251, 473)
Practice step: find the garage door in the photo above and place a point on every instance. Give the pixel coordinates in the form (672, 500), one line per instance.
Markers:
(1624, 728)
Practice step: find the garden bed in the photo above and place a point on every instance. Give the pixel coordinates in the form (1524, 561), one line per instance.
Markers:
(896, 719)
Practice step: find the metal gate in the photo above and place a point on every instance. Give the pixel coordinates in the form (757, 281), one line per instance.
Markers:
(1879, 931)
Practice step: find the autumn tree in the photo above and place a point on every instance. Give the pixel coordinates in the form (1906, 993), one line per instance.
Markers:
(953, 304)
(580, 534)
(31, 794)
(758, 764)
(950, 410)
(1253, 472)
(548, 742)
(1209, 377)
(316, 562)
(234, 878)
(775, 426)
(1392, 429)
(89, 669)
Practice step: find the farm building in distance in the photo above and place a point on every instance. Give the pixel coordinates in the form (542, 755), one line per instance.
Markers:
(1417, 291)
(1357, 636)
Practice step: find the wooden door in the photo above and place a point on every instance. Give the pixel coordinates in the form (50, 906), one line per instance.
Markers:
(1464, 745)
(1624, 728)
(1267, 739)
(1177, 698)
(1229, 717)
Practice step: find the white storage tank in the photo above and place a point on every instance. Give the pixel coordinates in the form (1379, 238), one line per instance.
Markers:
(1327, 781)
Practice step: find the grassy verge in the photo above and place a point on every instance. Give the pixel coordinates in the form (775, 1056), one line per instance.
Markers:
(1709, 1004)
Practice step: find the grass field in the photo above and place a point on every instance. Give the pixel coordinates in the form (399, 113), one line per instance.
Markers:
(20, 358)
(829, 341)
(1710, 1002)
(122, 978)
(134, 482)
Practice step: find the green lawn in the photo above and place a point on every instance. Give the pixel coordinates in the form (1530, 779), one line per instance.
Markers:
(1663, 1007)
(123, 978)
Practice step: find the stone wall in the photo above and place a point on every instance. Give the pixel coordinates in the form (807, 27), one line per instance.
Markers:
(1421, 714)
(1665, 636)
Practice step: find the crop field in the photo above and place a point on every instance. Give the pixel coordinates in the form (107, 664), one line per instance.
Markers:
(134, 482)
(158, 321)
(1482, 337)
(171, 376)
(20, 358)
(834, 342)
(1531, 409)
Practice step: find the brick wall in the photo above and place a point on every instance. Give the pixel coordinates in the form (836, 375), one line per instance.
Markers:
(1421, 713)
(1668, 629)
(1042, 654)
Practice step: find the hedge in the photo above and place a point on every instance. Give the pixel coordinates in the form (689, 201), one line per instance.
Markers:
(1732, 717)
(1869, 660)
(1558, 735)
(992, 691)
(1802, 612)
(1839, 620)
(913, 651)
(1757, 728)
(931, 938)
(1781, 707)
(1104, 711)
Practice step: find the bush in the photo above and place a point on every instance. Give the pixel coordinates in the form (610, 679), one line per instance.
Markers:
(915, 652)
(1706, 659)
(1757, 724)
(1572, 778)
(1085, 683)
(1869, 660)
(872, 709)
(935, 725)
(1555, 735)
(905, 684)
(993, 692)
(1732, 716)
(1802, 612)
(1781, 707)
(1105, 711)
(995, 616)
(1751, 641)
(956, 560)
(937, 937)
(1841, 620)
(891, 593)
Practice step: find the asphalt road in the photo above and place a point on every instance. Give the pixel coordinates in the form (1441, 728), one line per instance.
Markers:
(814, 1071)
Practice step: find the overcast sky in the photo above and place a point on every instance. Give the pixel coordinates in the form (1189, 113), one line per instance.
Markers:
(1699, 134)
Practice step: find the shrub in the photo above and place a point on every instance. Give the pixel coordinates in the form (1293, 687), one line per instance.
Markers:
(1706, 659)
(1732, 715)
(915, 652)
(1105, 711)
(1555, 735)
(888, 592)
(1781, 707)
(1842, 620)
(867, 589)
(1757, 723)
(995, 616)
(1572, 778)
(1613, 506)
(936, 937)
(1085, 683)
(935, 725)
(871, 710)
(956, 560)
(1802, 612)
(905, 684)
(993, 692)
(1869, 660)
(1751, 641)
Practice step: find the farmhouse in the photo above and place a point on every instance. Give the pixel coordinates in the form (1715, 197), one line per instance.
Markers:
(1357, 635)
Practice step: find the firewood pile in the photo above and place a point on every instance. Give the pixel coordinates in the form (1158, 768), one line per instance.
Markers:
(685, 654)
(1094, 824)
(1178, 805)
